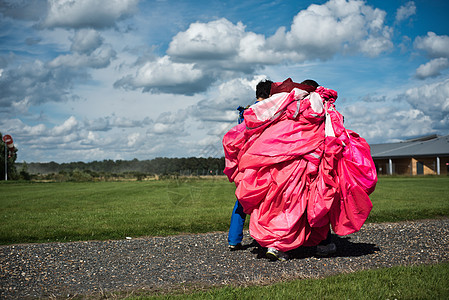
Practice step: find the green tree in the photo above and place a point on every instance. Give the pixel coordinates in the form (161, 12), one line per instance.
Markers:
(23, 174)
(11, 157)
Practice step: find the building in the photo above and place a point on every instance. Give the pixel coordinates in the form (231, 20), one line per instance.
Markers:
(428, 155)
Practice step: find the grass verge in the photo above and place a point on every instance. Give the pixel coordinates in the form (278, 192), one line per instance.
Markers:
(410, 198)
(416, 282)
(49, 212)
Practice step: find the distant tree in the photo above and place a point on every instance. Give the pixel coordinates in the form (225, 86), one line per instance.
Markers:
(24, 175)
(79, 176)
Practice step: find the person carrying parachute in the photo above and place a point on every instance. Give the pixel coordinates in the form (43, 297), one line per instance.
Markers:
(298, 170)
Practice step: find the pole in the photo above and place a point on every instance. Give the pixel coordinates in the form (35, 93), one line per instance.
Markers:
(438, 165)
(6, 163)
(390, 166)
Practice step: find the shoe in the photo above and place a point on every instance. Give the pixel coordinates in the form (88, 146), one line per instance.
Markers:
(236, 247)
(325, 250)
(274, 254)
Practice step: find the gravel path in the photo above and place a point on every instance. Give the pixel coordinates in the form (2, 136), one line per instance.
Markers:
(196, 261)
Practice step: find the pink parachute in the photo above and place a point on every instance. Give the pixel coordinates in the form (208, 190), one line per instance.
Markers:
(297, 169)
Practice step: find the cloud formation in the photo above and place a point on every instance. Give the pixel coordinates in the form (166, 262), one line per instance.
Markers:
(405, 11)
(437, 48)
(23, 10)
(34, 83)
(220, 49)
(432, 100)
(321, 31)
(87, 14)
(433, 45)
(417, 111)
(93, 80)
(216, 40)
(432, 68)
(163, 75)
(85, 41)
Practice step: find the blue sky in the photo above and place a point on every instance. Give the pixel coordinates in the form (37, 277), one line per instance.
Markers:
(84, 80)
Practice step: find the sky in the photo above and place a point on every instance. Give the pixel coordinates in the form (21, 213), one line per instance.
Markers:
(86, 80)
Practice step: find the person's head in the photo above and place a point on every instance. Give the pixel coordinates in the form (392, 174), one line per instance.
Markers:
(311, 83)
(263, 89)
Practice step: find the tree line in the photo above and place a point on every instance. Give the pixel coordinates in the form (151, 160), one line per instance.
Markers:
(81, 171)
(191, 166)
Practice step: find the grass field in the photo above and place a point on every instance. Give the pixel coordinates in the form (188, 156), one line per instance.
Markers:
(410, 198)
(417, 282)
(43, 212)
(47, 212)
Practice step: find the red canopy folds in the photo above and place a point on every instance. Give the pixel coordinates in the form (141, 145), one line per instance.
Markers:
(297, 169)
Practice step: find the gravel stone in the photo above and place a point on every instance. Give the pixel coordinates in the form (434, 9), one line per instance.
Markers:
(196, 261)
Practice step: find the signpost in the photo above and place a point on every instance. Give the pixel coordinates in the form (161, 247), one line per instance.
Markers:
(9, 145)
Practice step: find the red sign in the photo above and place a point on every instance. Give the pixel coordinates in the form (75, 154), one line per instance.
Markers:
(8, 140)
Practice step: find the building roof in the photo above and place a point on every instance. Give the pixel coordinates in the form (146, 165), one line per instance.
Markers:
(425, 146)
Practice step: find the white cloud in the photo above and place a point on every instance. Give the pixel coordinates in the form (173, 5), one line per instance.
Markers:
(433, 68)
(133, 139)
(34, 131)
(123, 122)
(387, 123)
(255, 50)
(415, 112)
(164, 72)
(217, 40)
(163, 75)
(21, 106)
(220, 50)
(374, 46)
(88, 52)
(23, 10)
(220, 45)
(55, 86)
(405, 11)
(86, 13)
(91, 136)
(221, 103)
(100, 58)
(23, 130)
(200, 127)
(321, 31)
(431, 99)
(169, 124)
(99, 124)
(111, 122)
(66, 128)
(164, 129)
(35, 82)
(86, 41)
(434, 45)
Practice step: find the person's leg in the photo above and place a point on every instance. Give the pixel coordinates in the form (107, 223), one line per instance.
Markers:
(328, 239)
(326, 246)
(235, 235)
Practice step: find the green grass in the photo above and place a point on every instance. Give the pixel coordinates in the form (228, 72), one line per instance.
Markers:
(417, 282)
(409, 198)
(43, 212)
